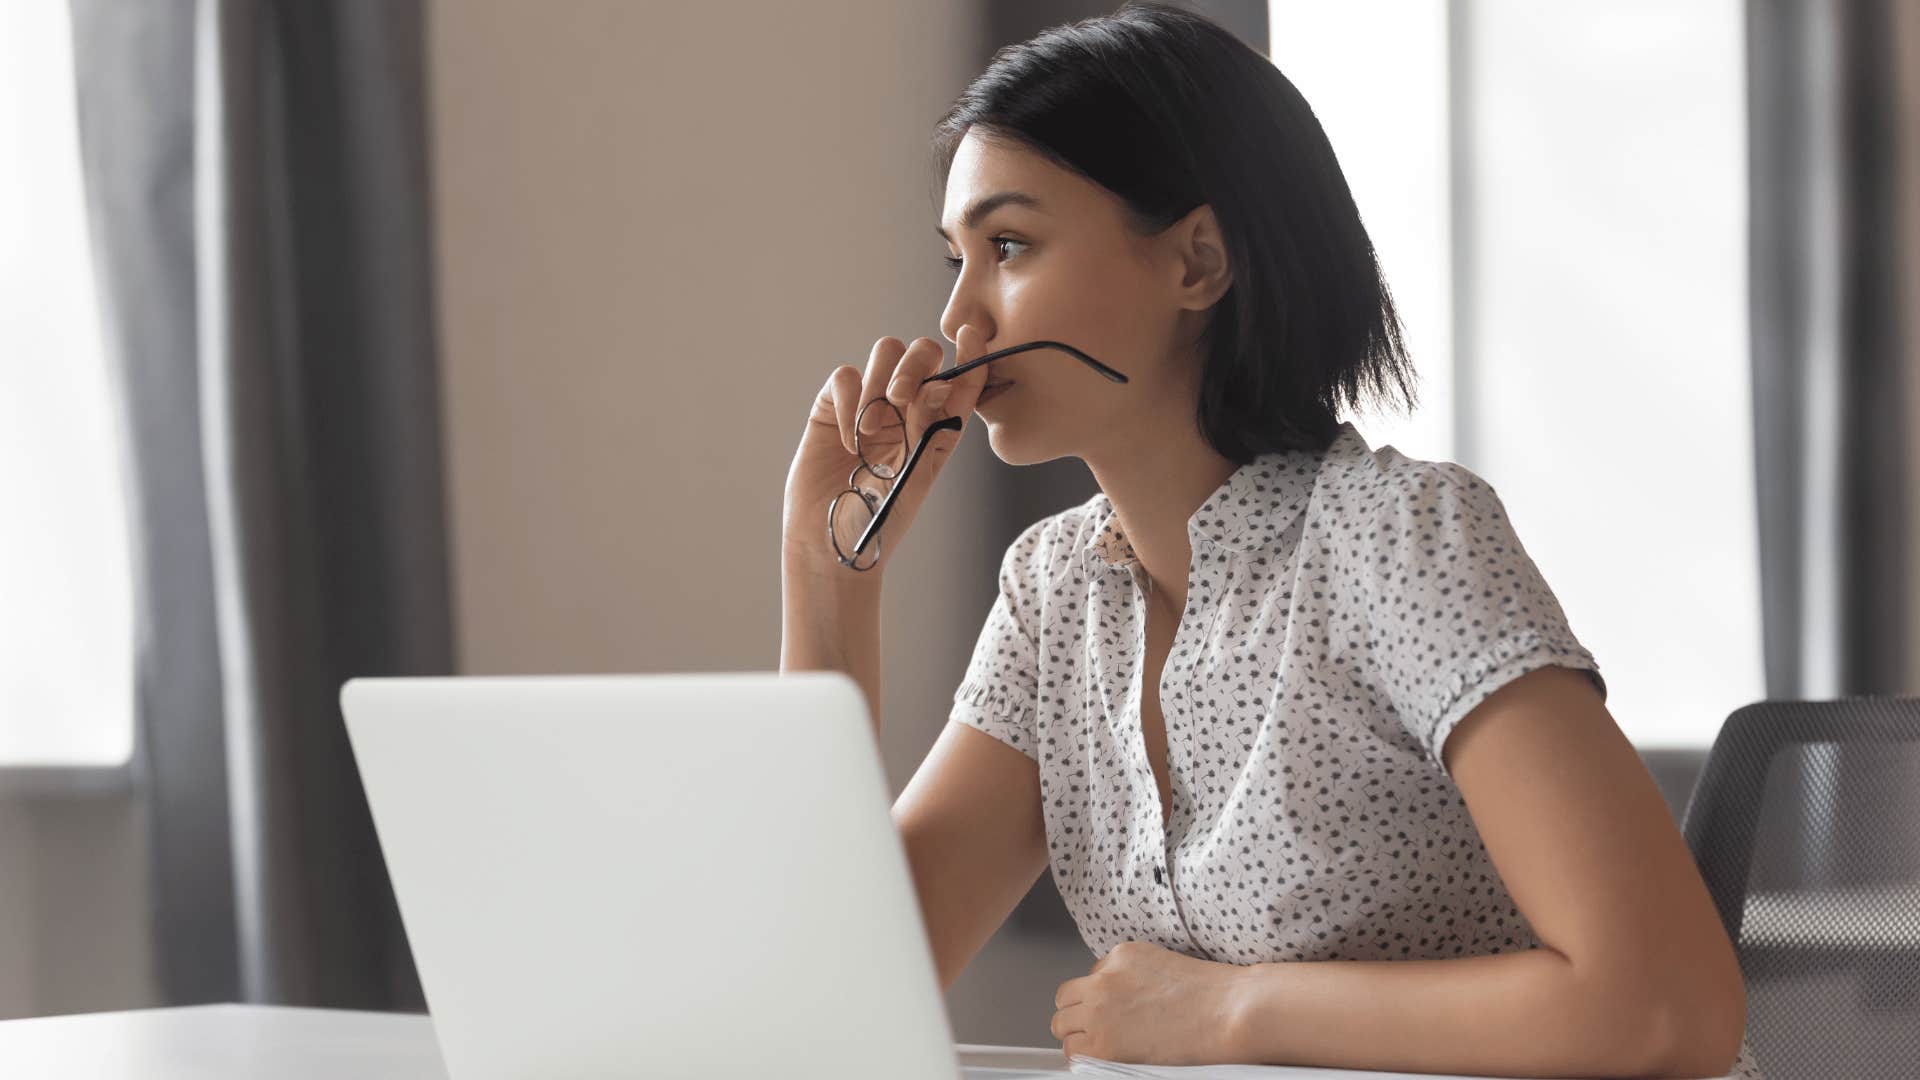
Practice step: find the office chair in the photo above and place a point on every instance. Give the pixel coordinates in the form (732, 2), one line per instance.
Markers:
(1806, 825)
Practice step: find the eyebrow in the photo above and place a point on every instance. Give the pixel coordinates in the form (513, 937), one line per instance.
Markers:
(988, 204)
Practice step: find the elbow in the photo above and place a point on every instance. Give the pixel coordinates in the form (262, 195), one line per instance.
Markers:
(1692, 1031)
(1677, 1017)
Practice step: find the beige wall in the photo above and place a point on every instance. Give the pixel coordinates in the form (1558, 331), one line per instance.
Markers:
(73, 900)
(658, 230)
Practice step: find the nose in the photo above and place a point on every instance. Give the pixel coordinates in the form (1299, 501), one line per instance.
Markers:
(962, 309)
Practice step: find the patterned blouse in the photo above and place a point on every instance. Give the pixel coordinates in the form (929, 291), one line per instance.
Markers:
(1345, 609)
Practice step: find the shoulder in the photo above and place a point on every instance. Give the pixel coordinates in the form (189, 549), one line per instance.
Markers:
(1388, 516)
(1386, 488)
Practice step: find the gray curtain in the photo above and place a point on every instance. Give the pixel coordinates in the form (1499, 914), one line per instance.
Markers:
(258, 192)
(1834, 356)
(1831, 129)
(134, 63)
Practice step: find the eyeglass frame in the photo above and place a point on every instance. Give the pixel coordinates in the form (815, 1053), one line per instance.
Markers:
(947, 423)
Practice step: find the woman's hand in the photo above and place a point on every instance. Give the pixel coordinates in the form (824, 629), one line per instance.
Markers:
(1147, 1005)
(826, 457)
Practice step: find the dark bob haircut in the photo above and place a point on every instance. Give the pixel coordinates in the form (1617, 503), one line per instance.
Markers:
(1168, 111)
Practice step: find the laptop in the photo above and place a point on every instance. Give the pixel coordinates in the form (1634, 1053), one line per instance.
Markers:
(671, 875)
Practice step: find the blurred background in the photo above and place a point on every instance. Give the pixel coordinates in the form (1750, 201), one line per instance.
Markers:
(476, 336)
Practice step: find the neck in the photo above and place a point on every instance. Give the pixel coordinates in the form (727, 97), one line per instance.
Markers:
(1155, 491)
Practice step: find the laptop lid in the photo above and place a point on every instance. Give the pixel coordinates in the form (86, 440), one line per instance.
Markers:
(659, 875)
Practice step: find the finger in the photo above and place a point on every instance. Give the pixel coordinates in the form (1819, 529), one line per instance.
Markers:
(921, 359)
(922, 402)
(911, 379)
(1070, 1021)
(845, 387)
(1072, 992)
(950, 397)
(968, 345)
(917, 400)
(881, 361)
(1076, 1045)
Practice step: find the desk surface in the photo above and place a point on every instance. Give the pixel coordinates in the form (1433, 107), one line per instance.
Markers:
(210, 1042)
(214, 1042)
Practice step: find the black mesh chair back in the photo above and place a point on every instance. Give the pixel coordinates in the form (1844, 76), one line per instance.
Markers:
(1806, 825)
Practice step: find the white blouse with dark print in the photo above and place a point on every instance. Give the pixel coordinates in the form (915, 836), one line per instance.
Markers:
(1345, 609)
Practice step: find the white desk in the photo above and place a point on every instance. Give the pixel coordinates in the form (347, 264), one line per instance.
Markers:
(257, 1042)
(265, 1042)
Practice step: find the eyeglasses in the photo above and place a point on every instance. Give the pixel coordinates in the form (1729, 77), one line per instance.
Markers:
(855, 516)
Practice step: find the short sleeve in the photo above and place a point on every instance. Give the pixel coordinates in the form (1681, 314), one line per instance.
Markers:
(1000, 690)
(1456, 607)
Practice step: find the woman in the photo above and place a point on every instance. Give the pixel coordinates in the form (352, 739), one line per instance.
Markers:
(1318, 766)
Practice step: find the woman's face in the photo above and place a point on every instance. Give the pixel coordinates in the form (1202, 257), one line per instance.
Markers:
(1058, 261)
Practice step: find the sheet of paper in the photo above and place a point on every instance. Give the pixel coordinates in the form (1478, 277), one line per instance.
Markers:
(1086, 1066)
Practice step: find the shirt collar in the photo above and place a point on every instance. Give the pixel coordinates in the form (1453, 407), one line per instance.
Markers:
(1247, 512)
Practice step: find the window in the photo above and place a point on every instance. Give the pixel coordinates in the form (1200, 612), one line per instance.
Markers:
(1375, 74)
(66, 640)
(1595, 277)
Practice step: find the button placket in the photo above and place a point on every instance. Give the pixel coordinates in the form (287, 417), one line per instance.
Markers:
(1142, 764)
(1179, 759)
(1150, 833)
(1175, 682)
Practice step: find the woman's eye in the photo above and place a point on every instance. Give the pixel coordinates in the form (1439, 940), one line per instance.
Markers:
(954, 262)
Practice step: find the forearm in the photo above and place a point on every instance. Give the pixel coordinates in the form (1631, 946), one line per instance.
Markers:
(829, 625)
(1526, 1013)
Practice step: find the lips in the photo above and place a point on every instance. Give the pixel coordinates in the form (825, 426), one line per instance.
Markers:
(992, 390)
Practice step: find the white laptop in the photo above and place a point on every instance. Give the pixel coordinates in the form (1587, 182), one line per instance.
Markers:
(681, 875)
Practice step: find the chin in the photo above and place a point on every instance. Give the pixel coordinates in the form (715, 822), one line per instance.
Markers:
(1011, 449)
(1005, 446)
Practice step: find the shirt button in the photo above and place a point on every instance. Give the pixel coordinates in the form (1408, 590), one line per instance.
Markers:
(1159, 875)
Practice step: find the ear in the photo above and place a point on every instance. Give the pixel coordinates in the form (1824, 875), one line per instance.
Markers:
(1200, 259)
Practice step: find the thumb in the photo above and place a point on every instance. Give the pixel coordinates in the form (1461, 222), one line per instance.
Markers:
(966, 388)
